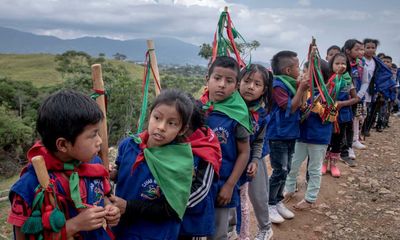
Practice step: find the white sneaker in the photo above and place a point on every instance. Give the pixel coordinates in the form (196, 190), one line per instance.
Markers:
(274, 216)
(358, 145)
(264, 234)
(352, 155)
(283, 211)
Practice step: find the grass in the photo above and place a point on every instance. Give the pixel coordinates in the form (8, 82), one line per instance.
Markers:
(36, 68)
(40, 69)
(5, 183)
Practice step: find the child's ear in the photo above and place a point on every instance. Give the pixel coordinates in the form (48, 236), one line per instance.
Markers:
(287, 71)
(62, 144)
(207, 78)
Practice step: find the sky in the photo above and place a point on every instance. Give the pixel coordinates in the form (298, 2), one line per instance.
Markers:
(277, 25)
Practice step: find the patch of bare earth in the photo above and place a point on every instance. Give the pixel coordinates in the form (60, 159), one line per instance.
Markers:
(362, 204)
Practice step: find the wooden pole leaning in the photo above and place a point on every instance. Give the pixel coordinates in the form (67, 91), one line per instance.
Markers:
(98, 84)
(154, 66)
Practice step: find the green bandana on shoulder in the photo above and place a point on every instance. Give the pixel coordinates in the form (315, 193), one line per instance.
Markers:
(172, 167)
(234, 107)
(289, 82)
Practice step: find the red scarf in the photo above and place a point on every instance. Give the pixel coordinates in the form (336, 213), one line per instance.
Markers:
(55, 165)
(205, 145)
(144, 137)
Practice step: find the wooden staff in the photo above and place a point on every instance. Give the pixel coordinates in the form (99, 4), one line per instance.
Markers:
(154, 66)
(41, 171)
(98, 84)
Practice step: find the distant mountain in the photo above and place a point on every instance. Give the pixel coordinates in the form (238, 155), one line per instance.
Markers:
(168, 50)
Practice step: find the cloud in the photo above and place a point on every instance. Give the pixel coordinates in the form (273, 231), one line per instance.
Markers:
(194, 21)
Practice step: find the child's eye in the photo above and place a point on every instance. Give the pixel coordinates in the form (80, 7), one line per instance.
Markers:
(172, 123)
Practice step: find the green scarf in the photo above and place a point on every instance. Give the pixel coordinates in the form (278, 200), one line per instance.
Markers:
(172, 167)
(234, 107)
(289, 82)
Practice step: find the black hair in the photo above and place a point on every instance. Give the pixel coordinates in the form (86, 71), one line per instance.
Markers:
(177, 98)
(65, 114)
(387, 57)
(267, 80)
(349, 44)
(225, 62)
(281, 60)
(198, 116)
(333, 47)
(394, 65)
(370, 40)
(340, 54)
(381, 55)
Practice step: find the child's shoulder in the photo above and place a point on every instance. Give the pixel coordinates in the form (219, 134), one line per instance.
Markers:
(26, 185)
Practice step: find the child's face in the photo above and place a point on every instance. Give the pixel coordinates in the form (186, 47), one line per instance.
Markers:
(86, 145)
(165, 124)
(331, 53)
(387, 62)
(252, 87)
(354, 52)
(370, 50)
(339, 65)
(361, 52)
(222, 83)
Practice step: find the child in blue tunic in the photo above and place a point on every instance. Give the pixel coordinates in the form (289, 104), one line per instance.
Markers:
(68, 123)
(283, 128)
(229, 118)
(255, 87)
(199, 218)
(155, 173)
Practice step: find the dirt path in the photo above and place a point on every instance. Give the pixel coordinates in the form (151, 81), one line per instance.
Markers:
(362, 204)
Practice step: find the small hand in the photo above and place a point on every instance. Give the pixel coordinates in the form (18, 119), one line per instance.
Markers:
(119, 203)
(252, 169)
(113, 215)
(225, 195)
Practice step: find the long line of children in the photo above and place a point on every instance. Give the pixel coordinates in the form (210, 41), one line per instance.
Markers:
(191, 173)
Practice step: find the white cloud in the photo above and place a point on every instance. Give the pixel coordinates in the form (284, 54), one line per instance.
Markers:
(195, 21)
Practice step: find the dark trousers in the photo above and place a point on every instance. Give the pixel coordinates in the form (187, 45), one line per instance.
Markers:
(281, 154)
(342, 141)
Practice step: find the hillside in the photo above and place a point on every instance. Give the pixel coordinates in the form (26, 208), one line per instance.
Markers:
(169, 50)
(41, 68)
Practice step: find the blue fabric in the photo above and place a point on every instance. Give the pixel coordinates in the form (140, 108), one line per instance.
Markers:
(139, 185)
(345, 113)
(26, 185)
(265, 150)
(383, 77)
(356, 76)
(313, 131)
(262, 121)
(284, 125)
(200, 220)
(225, 128)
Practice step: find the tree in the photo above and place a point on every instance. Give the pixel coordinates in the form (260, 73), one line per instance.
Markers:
(119, 56)
(244, 49)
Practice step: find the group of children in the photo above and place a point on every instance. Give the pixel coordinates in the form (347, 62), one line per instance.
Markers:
(192, 173)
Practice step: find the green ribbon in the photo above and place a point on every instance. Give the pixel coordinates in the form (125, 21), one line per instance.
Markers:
(74, 184)
(234, 107)
(289, 82)
(172, 167)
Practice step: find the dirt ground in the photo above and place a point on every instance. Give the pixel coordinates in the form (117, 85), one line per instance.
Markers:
(362, 204)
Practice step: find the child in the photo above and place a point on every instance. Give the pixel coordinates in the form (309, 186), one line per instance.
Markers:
(255, 87)
(354, 51)
(155, 173)
(68, 124)
(229, 118)
(315, 134)
(339, 65)
(199, 218)
(283, 128)
(332, 51)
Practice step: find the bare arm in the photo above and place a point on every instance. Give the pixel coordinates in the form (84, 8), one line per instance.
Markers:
(298, 98)
(225, 194)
